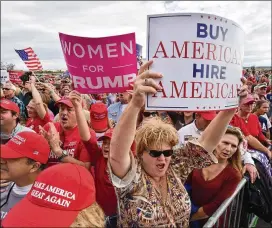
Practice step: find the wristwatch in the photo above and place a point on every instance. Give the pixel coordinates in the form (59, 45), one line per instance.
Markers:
(63, 154)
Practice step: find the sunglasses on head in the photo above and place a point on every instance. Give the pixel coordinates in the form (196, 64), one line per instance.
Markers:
(148, 114)
(158, 153)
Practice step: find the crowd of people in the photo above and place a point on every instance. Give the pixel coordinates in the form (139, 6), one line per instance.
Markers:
(102, 160)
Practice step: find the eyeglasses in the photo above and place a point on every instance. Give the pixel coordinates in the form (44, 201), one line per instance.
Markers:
(6, 89)
(158, 153)
(148, 114)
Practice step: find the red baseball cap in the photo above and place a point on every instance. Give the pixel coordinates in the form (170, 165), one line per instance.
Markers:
(66, 101)
(247, 100)
(9, 105)
(209, 115)
(108, 134)
(99, 116)
(26, 144)
(57, 196)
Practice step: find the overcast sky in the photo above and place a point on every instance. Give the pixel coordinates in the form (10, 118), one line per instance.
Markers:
(36, 24)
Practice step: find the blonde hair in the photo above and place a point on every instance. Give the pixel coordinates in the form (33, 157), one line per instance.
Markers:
(235, 160)
(154, 131)
(92, 216)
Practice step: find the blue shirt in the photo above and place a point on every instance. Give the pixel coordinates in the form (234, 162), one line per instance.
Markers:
(263, 123)
(21, 106)
(115, 111)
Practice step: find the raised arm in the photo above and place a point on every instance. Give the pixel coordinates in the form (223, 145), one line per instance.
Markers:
(124, 131)
(217, 128)
(82, 124)
(51, 91)
(38, 101)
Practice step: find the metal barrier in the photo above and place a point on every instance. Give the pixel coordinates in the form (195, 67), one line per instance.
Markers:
(229, 213)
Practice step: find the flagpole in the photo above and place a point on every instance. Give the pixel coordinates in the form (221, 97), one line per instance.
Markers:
(35, 76)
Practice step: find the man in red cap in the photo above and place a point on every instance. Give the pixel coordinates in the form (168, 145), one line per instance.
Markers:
(65, 137)
(194, 130)
(62, 196)
(22, 159)
(99, 120)
(9, 122)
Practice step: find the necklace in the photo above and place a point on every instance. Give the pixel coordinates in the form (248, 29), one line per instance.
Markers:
(245, 118)
(161, 187)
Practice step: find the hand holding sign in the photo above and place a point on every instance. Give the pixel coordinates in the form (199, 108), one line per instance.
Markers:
(144, 84)
(201, 57)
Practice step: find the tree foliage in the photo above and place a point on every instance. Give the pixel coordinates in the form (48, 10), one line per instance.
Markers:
(7, 66)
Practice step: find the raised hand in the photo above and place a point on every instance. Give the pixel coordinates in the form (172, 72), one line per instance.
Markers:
(144, 83)
(75, 98)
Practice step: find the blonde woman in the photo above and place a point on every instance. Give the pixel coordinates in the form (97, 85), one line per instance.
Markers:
(215, 183)
(149, 188)
(62, 196)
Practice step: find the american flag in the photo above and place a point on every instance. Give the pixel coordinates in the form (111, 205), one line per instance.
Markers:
(30, 59)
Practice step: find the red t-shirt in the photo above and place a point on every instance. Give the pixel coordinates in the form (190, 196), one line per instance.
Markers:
(250, 127)
(105, 193)
(33, 123)
(72, 143)
(210, 194)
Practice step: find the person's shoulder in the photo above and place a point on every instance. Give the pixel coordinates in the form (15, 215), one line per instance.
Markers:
(113, 106)
(187, 127)
(262, 119)
(253, 116)
(15, 98)
(56, 124)
(232, 172)
(24, 128)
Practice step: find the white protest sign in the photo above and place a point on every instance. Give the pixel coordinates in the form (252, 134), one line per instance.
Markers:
(201, 59)
(4, 76)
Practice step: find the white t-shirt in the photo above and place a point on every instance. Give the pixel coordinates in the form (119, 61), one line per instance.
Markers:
(188, 132)
(21, 190)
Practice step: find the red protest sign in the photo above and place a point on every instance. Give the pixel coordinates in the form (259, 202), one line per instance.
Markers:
(100, 65)
(14, 75)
